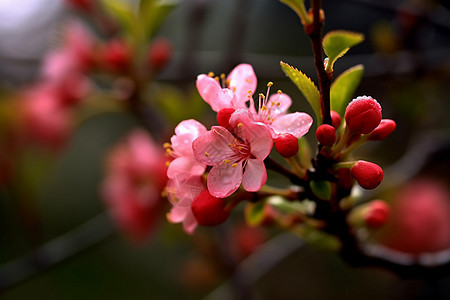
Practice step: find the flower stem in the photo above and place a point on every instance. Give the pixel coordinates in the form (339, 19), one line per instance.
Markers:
(315, 36)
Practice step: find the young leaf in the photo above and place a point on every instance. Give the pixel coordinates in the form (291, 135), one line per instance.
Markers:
(299, 7)
(254, 213)
(153, 13)
(344, 87)
(123, 12)
(321, 189)
(337, 43)
(306, 86)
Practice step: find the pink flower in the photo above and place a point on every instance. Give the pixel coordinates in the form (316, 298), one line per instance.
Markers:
(182, 191)
(45, 119)
(236, 157)
(185, 164)
(133, 185)
(184, 173)
(234, 94)
(239, 88)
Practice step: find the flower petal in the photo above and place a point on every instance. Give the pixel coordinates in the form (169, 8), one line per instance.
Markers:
(281, 103)
(242, 79)
(185, 133)
(254, 133)
(211, 148)
(224, 179)
(187, 165)
(297, 124)
(255, 175)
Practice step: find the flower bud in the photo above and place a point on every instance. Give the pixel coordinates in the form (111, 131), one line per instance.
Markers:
(84, 5)
(117, 55)
(209, 210)
(383, 130)
(286, 144)
(335, 119)
(363, 115)
(223, 116)
(326, 134)
(367, 174)
(159, 54)
(376, 214)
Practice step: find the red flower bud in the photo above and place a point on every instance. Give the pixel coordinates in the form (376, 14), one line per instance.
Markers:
(326, 134)
(209, 210)
(159, 54)
(335, 119)
(84, 5)
(367, 174)
(383, 130)
(223, 116)
(117, 55)
(286, 144)
(363, 115)
(377, 213)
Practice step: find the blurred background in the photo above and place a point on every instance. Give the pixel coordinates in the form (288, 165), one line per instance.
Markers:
(57, 237)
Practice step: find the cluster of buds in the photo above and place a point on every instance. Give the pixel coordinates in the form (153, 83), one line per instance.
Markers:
(362, 122)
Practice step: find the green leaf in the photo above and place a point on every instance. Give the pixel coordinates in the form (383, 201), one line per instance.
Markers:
(306, 86)
(304, 207)
(254, 213)
(343, 88)
(124, 13)
(153, 13)
(321, 189)
(337, 43)
(299, 7)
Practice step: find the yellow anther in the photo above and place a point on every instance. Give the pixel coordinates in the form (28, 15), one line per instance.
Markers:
(239, 147)
(206, 154)
(211, 74)
(250, 92)
(229, 145)
(233, 89)
(279, 92)
(222, 76)
(167, 163)
(278, 103)
(216, 78)
(240, 125)
(247, 80)
(168, 152)
(164, 193)
(167, 145)
(269, 84)
(234, 165)
(264, 108)
(227, 161)
(268, 118)
(227, 82)
(262, 96)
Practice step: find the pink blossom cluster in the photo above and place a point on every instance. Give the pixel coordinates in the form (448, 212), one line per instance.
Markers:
(47, 106)
(209, 166)
(134, 183)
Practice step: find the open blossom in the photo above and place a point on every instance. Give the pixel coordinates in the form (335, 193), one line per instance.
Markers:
(184, 163)
(133, 185)
(184, 173)
(237, 157)
(239, 88)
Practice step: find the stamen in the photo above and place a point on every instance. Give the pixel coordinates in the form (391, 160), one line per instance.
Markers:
(206, 154)
(269, 84)
(234, 165)
(279, 92)
(211, 74)
(167, 163)
(216, 78)
(240, 125)
(167, 145)
(227, 161)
